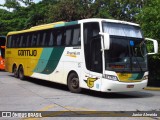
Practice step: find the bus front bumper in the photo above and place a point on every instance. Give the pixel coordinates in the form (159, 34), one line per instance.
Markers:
(116, 86)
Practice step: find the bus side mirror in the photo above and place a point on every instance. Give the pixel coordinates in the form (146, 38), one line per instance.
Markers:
(152, 46)
(106, 40)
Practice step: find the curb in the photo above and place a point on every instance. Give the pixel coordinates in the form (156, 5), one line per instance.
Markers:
(152, 88)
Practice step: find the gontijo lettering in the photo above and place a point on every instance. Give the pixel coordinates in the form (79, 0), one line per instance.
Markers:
(27, 52)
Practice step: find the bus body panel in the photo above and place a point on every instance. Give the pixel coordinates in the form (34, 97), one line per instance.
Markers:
(70, 60)
(116, 86)
(57, 62)
(27, 57)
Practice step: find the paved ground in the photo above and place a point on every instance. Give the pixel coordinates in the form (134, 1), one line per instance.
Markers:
(39, 95)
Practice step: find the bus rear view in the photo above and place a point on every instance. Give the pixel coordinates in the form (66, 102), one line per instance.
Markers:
(2, 52)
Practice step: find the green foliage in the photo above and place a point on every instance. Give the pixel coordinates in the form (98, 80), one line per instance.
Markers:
(119, 9)
(69, 10)
(149, 18)
(11, 4)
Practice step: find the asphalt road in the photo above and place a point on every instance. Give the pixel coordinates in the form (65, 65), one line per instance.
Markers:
(38, 95)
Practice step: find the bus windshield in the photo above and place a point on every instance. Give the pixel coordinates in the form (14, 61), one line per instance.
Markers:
(127, 51)
(122, 30)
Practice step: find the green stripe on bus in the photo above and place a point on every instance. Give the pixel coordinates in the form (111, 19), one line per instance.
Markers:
(66, 24)
(59, 25)
(71, 23)
(140, 76)
(42, 63)
(136, 76)
(53, 60)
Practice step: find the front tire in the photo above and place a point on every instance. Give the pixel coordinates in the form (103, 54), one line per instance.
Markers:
(73, 83)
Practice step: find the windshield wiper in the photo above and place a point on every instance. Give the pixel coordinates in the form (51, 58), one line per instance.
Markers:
(134, 55)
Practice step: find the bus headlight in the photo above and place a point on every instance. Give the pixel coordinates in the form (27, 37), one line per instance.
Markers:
(110, 77)
(145, 77)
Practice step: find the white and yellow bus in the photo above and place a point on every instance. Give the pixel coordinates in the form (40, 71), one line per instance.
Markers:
(97, 54)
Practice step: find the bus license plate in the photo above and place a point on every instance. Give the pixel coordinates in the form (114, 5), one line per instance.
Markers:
(130, 86)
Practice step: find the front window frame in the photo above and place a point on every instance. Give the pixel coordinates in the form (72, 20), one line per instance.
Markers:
(131, 62)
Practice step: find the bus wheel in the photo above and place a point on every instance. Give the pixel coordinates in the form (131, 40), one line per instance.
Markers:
(15, 71)
(73, 83)
(21, 73)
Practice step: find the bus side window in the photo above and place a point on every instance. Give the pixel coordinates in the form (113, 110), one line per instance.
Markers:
(68, 37)
(43, 39)
(21, 41)
(76, 36)
(54, 37)
(24, 41)
(28, 40)
(9, 40)
(92, 46)
(59, 38)
(12, 41)
(34, 40)
(51, 39)
(47, 39)
(38, 40)
(17, 41)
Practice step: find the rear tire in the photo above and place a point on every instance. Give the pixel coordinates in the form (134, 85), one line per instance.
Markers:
(73, 83)
(15, 71)
(21, 73)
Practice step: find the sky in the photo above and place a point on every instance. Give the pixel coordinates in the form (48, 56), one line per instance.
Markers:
(36, 1)
(3, 1)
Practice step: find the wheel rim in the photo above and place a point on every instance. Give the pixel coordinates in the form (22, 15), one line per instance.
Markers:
(21, 72)
(15, 71)
(74, 83)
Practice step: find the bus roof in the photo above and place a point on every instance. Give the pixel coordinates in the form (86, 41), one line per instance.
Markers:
(62, 23)
(107, 20)
(44, 27)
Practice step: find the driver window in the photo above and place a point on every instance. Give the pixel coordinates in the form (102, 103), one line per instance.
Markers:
(92, 46)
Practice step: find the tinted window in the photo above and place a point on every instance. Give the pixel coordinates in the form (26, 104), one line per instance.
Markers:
(51, 39)
(9, 41)
(17, 39)
(76, 36)
(68, 36)
(21, 41)
(34, 40)
(72, 37)
(28, 40)
(38, 39)
(92, 47)
(60, 36)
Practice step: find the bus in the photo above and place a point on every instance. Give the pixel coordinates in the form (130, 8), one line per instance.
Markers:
(2, 52)
(96, 54)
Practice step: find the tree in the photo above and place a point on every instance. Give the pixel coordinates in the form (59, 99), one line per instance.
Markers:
(69, 10)
(11, 4)
(119, 9)
(149, 18)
